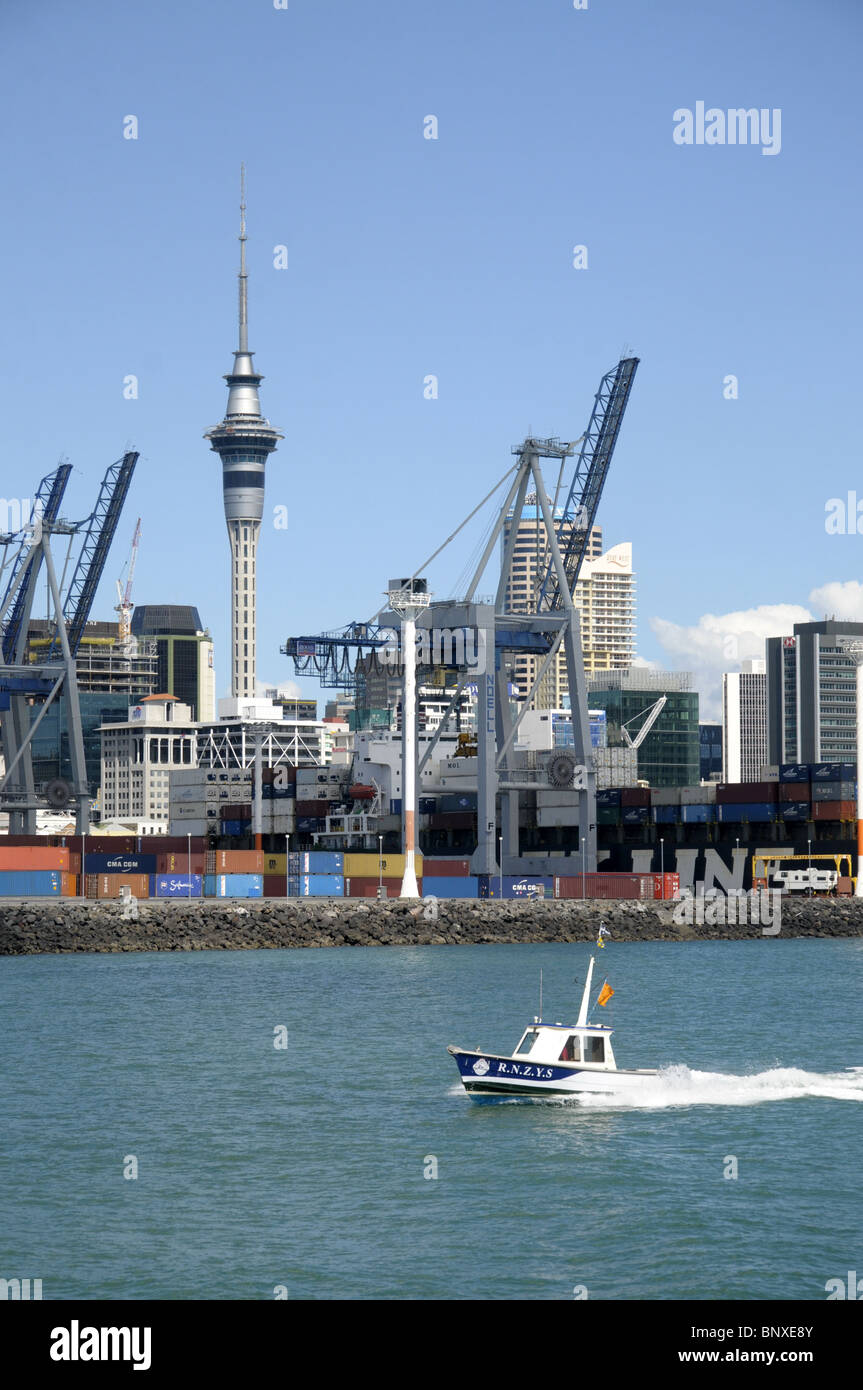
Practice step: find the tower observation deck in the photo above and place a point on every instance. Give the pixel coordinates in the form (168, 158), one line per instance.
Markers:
(244, 441)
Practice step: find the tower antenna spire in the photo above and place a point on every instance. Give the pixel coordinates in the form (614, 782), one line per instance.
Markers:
(244, 298)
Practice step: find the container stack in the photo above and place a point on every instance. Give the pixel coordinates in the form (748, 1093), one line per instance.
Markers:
(316, 874)
(364, 873)
(234, 873)
(35, 871)
(320, 791)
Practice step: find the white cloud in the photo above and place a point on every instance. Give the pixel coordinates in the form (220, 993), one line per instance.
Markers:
(841, 599)
(720, 641)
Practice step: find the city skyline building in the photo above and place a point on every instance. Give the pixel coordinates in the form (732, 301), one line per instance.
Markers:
(812, 694)
(243, 440)
(744, 722)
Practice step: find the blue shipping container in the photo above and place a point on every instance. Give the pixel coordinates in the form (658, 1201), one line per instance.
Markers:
(795, 810)
(234, 886)
(307, 825)
(635, 815)
(396, 807)
(666, 815)
(457, 801)
(175, 886)
(608, 798)
(698, 814)
(235, 827)
(316, 861)
(794, 772)
(31, 883)
(427, 805)
(520, 887)
(321, 886)
(120, 864)
(451, 888)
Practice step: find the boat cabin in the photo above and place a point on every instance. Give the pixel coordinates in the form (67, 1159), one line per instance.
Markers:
(583, 1045)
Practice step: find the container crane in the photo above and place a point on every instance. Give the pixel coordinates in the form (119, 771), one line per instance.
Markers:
(653, 712)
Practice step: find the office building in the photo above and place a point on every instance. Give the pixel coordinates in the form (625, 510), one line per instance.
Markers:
(184, 654)
(812, 694)
(744, 722)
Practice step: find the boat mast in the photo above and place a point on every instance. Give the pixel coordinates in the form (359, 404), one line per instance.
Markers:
(585, 998)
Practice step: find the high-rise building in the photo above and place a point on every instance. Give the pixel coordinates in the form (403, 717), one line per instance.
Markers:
(184, 653)
(244, 441)
(710, 752)
(812, 695)
(669, 754)
(604, 596)
(744, 722)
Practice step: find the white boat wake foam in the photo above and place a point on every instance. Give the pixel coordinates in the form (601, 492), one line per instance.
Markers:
(678, 1085)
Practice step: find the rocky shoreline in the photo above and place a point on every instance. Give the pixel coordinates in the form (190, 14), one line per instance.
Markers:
(66, 925)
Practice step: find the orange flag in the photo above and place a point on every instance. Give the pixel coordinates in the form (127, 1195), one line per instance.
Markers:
(605, 994)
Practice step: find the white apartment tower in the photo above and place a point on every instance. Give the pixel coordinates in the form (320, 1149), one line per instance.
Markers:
(744, 722)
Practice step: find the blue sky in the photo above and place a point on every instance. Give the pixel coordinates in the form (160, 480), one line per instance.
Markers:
(454, 257)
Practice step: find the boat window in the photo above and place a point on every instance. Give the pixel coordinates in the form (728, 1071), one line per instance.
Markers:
(527, 1041)
(571, 1050)
(594, 1049)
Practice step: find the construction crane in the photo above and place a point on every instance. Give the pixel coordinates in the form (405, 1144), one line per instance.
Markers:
(125, 605)
(653, 712)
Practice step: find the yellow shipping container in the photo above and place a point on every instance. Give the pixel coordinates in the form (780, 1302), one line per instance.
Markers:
(275, 863)
(368, 865)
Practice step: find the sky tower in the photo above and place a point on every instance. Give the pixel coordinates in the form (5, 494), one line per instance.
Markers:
(244, 440)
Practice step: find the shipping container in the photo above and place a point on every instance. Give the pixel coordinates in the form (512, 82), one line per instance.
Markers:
(827, 791)
(738, 793)
(120, 864)
(608, 886)
(176, 886)
(608, 815)
(33, 883)
(666, 815)
(395, 806)
(197, 828)
(164, 844)
(276, 886)
(234, 885)
(308, 825)
(317, 809)
(109, 885)
(446, 868)
(427, 805)
(699, 796)
(457, 801)
(321, 886)
(319, 861)
(456, 887)
(235, 828)
(661, 796)
(634, 815)
(370, 865)
(793, 772)
(794, 791)
(796, 810)
(697, 815)
(286, 793)
(453, 820)
(105, 844)
(180, 862)
(825, 772)
(609, 797)
(235, 861)
(834, 810)
(368, 887)
(275, 864)
(235, 810)
(34, 858)
(635, 796)
(523, 886)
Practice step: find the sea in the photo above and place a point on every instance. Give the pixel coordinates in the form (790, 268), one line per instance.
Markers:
(288, 1124)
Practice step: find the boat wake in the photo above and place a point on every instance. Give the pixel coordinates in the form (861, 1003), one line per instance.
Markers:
(678, 1085)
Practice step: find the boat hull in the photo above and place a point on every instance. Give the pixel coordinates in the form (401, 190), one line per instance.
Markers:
(487, 1074)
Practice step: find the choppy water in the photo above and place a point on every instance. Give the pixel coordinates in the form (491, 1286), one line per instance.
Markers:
(304, 1167)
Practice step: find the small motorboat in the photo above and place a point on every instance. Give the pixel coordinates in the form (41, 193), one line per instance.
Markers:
(551, 1059)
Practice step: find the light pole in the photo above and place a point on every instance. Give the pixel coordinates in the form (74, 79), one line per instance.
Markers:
(662, 861)
(189, 860)
(853, 647)
(380, 866)
(288, 864)
(583, 848)
(409, 597)
(500, 862)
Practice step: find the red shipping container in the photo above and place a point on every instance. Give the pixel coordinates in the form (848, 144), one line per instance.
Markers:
(69, 886)
(235, 861)
(606, 886)
(241, 810)
(746, 793)
(161, 844)
(109, 885)
(368, 887)
(635, 796)
(794, 791)
(313, 808)
(834, 810)
(275, 886)
(33, 858)
(446, 868)
(105, 844)
(177, 862)
(453, 820)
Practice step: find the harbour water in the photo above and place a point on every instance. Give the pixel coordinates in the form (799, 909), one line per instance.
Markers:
(349, 1163)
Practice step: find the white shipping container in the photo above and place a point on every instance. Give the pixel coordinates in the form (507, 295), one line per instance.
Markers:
(187, 827)
(698, 796)
(550, 816)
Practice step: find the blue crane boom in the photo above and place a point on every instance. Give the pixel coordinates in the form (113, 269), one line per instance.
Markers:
(591, 469)
(46, 506)
(101, 525)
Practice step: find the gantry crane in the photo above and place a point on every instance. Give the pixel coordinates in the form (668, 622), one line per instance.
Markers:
(500, 634)
(22, 683)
